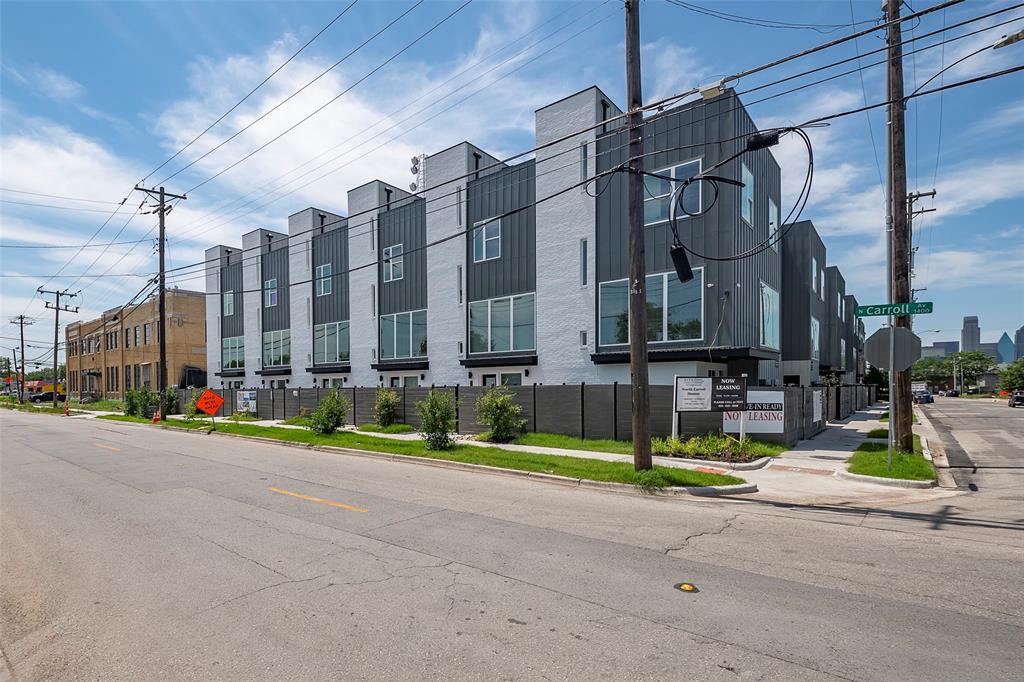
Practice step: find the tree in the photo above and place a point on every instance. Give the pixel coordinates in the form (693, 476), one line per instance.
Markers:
(877, 377)
(932, 370)
(1012, 378)
(971, 364)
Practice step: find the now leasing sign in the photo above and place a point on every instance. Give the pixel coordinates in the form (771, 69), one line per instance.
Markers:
(766, 413)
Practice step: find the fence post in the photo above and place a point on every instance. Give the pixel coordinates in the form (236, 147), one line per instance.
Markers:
(615, 410)
(583, 410)
(284, 403)
(458, 413)
(355, 415)
(535, 407)
(405, 406)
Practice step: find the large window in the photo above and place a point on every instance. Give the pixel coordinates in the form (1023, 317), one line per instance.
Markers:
(815, 339)
(324, 283)
(270, 293)
(814, 274)
(502, 324)
(277, 348)
(674, 309)
(773, 223)
(228, 303)
(747, 194)
(769, 317)
(487, 240)
(842, 354)
(658, 192)
(840, 308)
(394, 263)
(147, 333)
(403, 335)
(330, 343)
(233, 352)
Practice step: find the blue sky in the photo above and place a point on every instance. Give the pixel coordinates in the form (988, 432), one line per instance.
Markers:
(95, 95)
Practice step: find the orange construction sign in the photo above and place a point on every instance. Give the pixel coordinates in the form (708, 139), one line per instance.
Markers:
(209, 402)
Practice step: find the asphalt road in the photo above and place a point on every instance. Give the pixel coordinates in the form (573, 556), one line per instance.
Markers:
(135, 553)
(984, 440)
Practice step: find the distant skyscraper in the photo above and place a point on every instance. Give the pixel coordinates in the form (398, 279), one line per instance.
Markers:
(1018, 344)
(970, 336)
(990, 349)
(1004, 347)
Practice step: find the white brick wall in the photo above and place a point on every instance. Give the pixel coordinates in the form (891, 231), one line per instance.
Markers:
(300, 272)
(212, 257)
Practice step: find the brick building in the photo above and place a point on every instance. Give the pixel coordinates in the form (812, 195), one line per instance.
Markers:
(120, 350)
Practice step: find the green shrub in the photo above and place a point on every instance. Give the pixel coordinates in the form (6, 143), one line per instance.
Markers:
(385, 409)
(497, 409)
(329, 416)
(147, 399)
(437, 414)
(190, 407)
(716, 446)
(650, 479)
(131, 403)
(170, 401)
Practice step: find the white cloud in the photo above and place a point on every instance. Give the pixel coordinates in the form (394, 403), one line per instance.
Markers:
(47, 83)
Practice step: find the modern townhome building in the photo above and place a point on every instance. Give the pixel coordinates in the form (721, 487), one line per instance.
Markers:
(516, 273)
(120, 350)
(804, 308)
(834, 347)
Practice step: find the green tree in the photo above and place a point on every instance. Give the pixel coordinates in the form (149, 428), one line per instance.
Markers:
(971, 364)
(1012, 378)
(329, 415)
(877, 377)
(932, 370)
(497, 409)
(437, 417)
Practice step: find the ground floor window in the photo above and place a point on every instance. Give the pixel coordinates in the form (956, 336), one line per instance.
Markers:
(330, 343)
(502, 324)
(403, 335)
(675, 310)
(233, 352)
(277, 348)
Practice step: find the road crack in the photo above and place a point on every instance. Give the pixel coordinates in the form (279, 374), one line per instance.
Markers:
(726, 525)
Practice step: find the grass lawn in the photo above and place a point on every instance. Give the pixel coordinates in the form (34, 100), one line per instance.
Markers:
(870, 460)
(393, 428)
(29, 407)
(554, 440)
(978, 396)
(885, 417)
(590, 469)
(878, 433)
(101, 405)
(296, 421)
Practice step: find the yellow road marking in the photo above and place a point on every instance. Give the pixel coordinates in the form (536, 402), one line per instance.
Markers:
(321, 500)
(107, 447)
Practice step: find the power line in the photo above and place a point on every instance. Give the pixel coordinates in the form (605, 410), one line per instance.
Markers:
(409, 129)
(258, 190)
(251, 92)
(80, 209)
(56, 196)
(292, 95)
(69, 246)
(765, 23)
(335, 98)
(867, 116)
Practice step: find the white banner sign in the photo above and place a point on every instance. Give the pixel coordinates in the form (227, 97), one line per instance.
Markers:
(693, 394)
(765, 414)
(247, 401)
(817, 406)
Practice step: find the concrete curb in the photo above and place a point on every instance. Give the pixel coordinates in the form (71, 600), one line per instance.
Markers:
(891, 482)
(759, 463)
(936, 450)
(701, 491)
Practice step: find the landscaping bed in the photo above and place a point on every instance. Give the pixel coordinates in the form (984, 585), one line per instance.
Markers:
(390, 428)
(558, 465)
(711, 448)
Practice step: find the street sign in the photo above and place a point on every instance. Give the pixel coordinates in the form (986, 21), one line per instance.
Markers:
(897, 309)
(209, 402)
(906, 349)
(711, 394)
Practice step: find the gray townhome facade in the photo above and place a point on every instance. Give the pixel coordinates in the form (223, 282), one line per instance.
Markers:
(804, 309)
(490, 272)
(834, 349)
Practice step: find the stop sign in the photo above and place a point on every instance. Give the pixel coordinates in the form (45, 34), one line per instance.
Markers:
(906, 350)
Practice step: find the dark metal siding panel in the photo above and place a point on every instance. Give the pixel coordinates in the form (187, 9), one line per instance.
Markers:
(274, 265)
(231, 280)
(515, 272)
(405, 225)
(696, 131)
(799, 300)
(331, 247)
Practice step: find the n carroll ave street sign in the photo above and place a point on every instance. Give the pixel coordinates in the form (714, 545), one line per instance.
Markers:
(906, 351)
(886, 309)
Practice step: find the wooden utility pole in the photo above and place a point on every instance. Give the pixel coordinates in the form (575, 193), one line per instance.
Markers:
(162, 209)
(637, 266)
(57, 307)
(21, 321)
(900, 404)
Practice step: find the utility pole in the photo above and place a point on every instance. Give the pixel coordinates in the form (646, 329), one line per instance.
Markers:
(57, 307)
(162, 210)
(637, 266)
(900, 409)
(21, 321)
(16, 377)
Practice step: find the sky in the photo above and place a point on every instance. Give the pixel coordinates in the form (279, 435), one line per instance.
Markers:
(96, 96)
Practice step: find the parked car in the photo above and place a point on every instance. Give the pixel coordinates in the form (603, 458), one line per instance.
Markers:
(953, 394)
(922, 397)
(45, 397)
(1017, 399)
